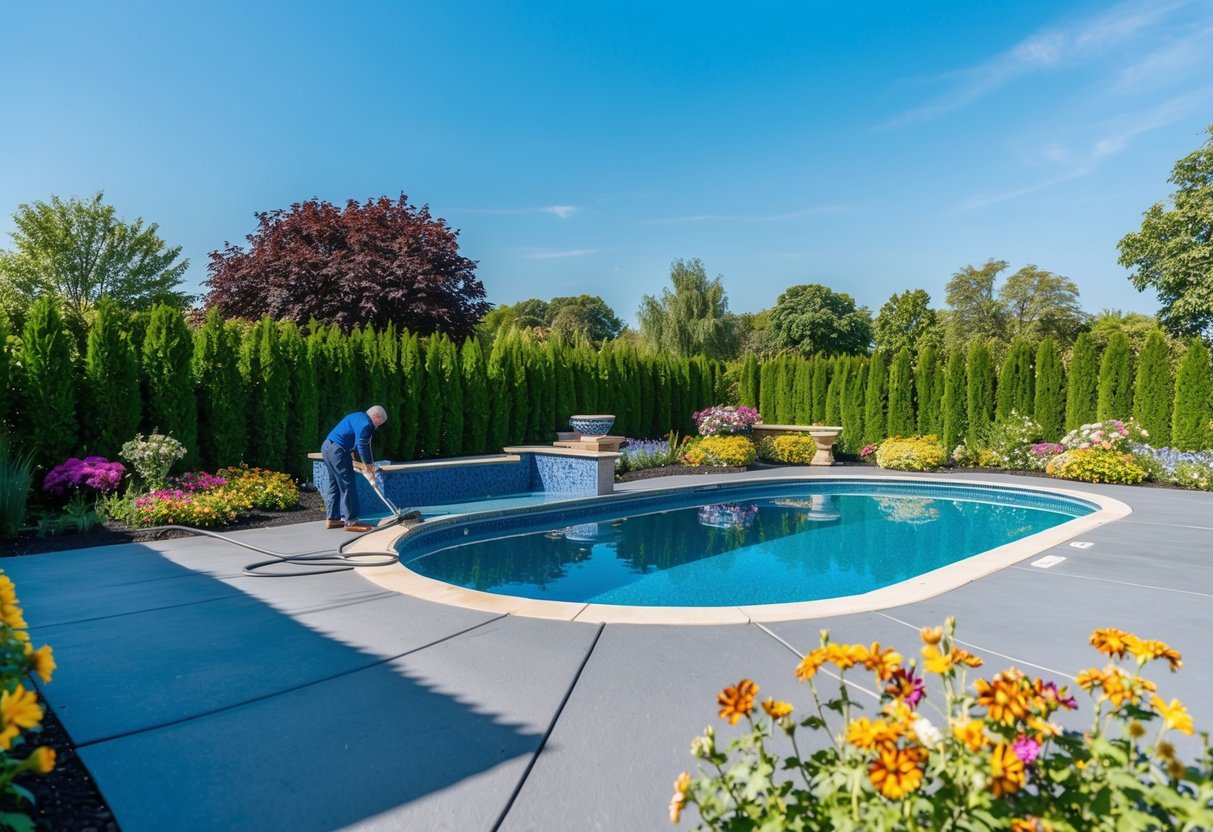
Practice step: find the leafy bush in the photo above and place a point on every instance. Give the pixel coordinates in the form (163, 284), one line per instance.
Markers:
(209, 500)
(796, 449)
(1112, 435)
(1096, 465)
(93, 472)
(152, 457)
(16, 477)
(918, 453)
(20, 713)
(271, 490)
(723, 451)
(203, 509)
(1009, 441)
(725, 420)
(996, 760)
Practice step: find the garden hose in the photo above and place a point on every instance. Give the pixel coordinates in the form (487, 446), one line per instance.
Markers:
(316, 563)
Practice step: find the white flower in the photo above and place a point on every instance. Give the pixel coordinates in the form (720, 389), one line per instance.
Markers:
(927, 733)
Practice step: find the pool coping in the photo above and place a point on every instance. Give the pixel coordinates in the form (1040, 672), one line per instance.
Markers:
(399, 578)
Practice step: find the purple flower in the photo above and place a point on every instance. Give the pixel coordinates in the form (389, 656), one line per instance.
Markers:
(911, 687)
(1026, 749)
(95, 472)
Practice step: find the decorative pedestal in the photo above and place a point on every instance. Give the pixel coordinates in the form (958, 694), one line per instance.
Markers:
(824, 435)
(584, 442)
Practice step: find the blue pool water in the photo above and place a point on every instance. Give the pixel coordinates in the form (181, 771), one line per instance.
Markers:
(753, 544)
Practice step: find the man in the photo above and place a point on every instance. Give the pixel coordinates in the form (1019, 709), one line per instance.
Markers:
(351, 436)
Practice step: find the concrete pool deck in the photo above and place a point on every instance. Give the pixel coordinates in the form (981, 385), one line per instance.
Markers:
(204, 699)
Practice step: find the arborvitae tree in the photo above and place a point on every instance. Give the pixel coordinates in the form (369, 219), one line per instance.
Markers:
(48, 383)
(747, 384)
(1082, 383)
(429, 421)
(663, 421)
(874, 425)
(1152, 393)
(802, 393)
(302, 414)
(1193, 408)
(586, 363)
(539, 404)
(787, 389)
(451, 443)
(222, 401)
(980, 392)
(521, 394)
(768, 391)
(476, 399)
(644, 385)
(412, 370)
(111, 383)
(267, 384)
(1116, 379)
(852, 375)
(168, 378)
(6, 386)
(926, 374)
(939, 373)
(901, 395)
(836, 390)
(1049, 404)
(1015, 381)
(821, 387)
(954, 421)
(387, 437)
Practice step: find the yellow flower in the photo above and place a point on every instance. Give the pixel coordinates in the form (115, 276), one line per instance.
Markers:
(1006, 770)
(18, 710)
(1003, 698)
(736, 702)
(931, 635)
(971, 733)
(680, 796)
(1174, 715)
(966, 658)
(11, 615)
(1119, 687)
(897, 771)
(867, 734)
(1148, 649)
(42, 760)
(935, 661)
(883, 663)
(1113, 642)
(809, 664)
(44, 661)
(776, 710)
(846, 656)
(1030, 824)
(1090, 679)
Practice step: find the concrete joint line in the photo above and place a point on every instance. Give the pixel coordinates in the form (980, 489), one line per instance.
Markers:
(1016, 659)
(829, 673)
(1125, 583)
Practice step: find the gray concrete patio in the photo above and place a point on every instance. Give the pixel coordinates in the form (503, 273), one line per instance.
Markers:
(204, 699)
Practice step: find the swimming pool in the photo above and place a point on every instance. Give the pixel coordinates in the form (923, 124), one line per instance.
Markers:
(768, 543)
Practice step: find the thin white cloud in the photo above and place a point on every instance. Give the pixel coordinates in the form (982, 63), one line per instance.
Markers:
(1168, 64)
(562, 211)
(544, 254)
(824, 209)
(1047, 49)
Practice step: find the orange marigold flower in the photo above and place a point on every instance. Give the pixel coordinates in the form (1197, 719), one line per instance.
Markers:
(1174, 715)
(42, 760)
(776, 709)
(680, 796)
(1003, 698)
(882, 662)
(1120, 687)
(1090, 679)
(867, 734)
(808, 666)
(1149, 649)
(1030, 824)
(897, 771)
(966, 658)
(1112, 641)
(736, 702)
(931, 635)
(1006, 770)
(846, 656)
(971, 732)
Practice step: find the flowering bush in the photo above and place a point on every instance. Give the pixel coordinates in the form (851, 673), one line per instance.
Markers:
(209, 500)
(724, 451)
(728, 515)
(1096, 465)
(1112, 435)
(918, 453)
(995, 760)
(95, 472)
(20, 713)
(726, 420)
(1040, 454)
(1187, 469)
(152, 457)
(262, 489)
(797, 449)
(867, 451)
(1009, 442)
(651, 453)
(192, 481)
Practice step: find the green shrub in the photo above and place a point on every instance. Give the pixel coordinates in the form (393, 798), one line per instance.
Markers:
(795, 449)
(1049, 404)
(1015, 381)
(1096, 465)
(168, 351)
(48, 383)
(1190, 419)
(918, 453)
(1082, 383)
(874, 423)
(1152, 394)
(222, 401)
(953, 420)
(928, 387)
(1008, 443)
(980, 391)
(722, 451)
(152, 457)
(901, 395)
(111, 383)
(1115, 379)
(16, 477)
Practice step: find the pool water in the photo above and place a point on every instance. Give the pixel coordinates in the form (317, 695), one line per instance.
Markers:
(755, 546)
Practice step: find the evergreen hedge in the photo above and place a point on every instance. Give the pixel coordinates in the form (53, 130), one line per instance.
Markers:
(1152, 394)
(1082, 383)
(874, 399)
(928, 389)
(267, 386)
(954, 424)
(1190, 420)
(901, 420)
(979, 400)
(221, 395)
(47, 379)
(1049, 403)
(1116, 379)
(1015, 382)
(111, 384)
(168, 380)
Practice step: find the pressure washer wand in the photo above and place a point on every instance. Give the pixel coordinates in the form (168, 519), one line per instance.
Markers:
(377, 487)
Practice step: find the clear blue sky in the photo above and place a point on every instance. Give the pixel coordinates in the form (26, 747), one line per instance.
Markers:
(582, 147)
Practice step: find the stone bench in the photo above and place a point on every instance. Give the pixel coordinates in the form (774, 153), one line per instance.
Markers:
(824, 435)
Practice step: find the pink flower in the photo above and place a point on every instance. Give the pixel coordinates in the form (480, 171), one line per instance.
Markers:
(1026, 749)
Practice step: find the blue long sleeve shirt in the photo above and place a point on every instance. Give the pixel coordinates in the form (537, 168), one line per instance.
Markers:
(353, 433)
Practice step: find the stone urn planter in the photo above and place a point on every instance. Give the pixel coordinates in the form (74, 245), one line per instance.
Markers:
(597, 425)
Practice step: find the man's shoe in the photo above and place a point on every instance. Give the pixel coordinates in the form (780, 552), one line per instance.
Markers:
(357, 527)
(411, 515)
(333, 524)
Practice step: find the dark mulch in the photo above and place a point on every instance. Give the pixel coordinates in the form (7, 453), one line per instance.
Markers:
(67, 798)
(673, 470)
(311, 507)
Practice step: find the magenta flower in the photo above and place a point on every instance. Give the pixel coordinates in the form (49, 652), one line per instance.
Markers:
(95, 472)
(911, 687)
(1026, 749)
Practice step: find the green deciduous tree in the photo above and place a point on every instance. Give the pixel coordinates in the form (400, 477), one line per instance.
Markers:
(812, 318)
(979, 411)
(1038, 303)
(901, 420)
(1173, 251)
(48, 384)
(168, 379)
(111, 383)
(1152, 394)
(1115, 380)
(907, 320)
(975, 312)
(1015, 381)
(222, 401)
(1193, 405)
(691, 320)
(1049, 403)
(1082, 383)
